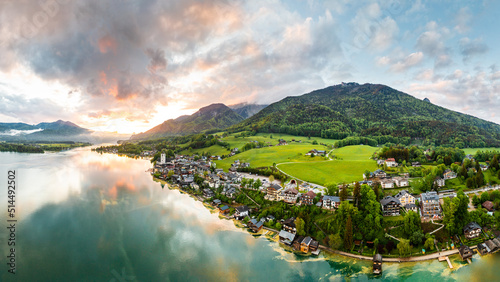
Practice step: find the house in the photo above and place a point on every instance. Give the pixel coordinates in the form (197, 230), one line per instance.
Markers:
(216, 202)
(465, 252)
(224, 209)
(313, 247)
(407, 200)
(208, 193)
(391, 162)
(379, 173)
(297, 241)
(440, 182)
(291, 184)
(270, 217)
(390, 206)
(241, 212)
(416, 164)
(387, 184)
(488, 205)
(255, 225)
(401, 181)
(330, 202)
(307, 198)
(272, 192)
(286, 237)
(316, 152)
(449, 174)
(289, 225)
(380, 162)
(429, 204)
(472, 230)
(304, 245)
(491, 246)
(290, 195)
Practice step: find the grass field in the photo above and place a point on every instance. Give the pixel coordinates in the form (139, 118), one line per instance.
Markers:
(239, 142)
(351, 163)
(473, 151)
(215, 150)
(277, 154)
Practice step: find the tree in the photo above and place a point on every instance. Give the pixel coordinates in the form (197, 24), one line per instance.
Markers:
(494, 164)
(335, 241)
(257, 184)
(476, 201)
(170, 173)
(278, 226)
(470, 183)
(367, 174)
(455, 213)
(411, 223)
(300, 225)
(271, 178)
(417, 237)
(429, 244)
(357, 194)
(315, 142)
(348, 234)
(343, 193)
(376, 189)
(404, 248)
(485, 196)
(479, 178)
(331, 189)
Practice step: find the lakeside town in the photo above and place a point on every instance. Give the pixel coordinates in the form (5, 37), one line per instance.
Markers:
(251, 199)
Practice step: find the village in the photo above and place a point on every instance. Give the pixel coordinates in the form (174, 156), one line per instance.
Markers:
(240, 196)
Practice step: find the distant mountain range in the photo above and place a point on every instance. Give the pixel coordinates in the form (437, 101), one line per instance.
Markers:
(54, 131)
(214, 116)
(375, 110)
(247, 110)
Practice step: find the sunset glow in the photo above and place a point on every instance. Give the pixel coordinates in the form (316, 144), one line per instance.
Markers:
(124, 67)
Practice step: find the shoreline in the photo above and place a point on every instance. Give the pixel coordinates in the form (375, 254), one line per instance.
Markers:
(428, 257)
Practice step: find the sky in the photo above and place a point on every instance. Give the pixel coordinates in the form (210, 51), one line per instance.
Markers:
(126, 66)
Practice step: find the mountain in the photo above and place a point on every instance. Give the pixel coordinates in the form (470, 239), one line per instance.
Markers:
(214, 116)
(371, 110)
(247, 110)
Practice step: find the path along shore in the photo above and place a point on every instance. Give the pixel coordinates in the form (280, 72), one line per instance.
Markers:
(394, 260)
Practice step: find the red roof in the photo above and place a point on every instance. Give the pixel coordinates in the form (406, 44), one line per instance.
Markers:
(390, 160)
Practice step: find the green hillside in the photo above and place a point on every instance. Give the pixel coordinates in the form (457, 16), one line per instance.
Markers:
(371, 110)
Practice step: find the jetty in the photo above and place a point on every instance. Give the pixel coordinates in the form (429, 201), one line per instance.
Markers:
(447, 259)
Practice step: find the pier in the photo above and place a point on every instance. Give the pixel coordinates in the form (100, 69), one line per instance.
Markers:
(447, 260)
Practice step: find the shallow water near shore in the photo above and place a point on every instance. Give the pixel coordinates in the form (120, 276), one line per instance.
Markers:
(83, 216)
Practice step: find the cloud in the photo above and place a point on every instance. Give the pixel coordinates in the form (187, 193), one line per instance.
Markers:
(462, 20)
(474, 93)
(401, 63)
(432, 43)
(372, 30)
(470, 48)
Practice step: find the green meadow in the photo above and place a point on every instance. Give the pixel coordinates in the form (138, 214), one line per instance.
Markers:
(350, 164)
(473, 151)
(277, 154)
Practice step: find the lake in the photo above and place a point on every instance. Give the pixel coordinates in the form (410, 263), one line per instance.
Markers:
(83, 216)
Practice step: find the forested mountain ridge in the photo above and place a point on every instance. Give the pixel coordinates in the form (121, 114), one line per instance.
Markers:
(212, 117)
(371, 110)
